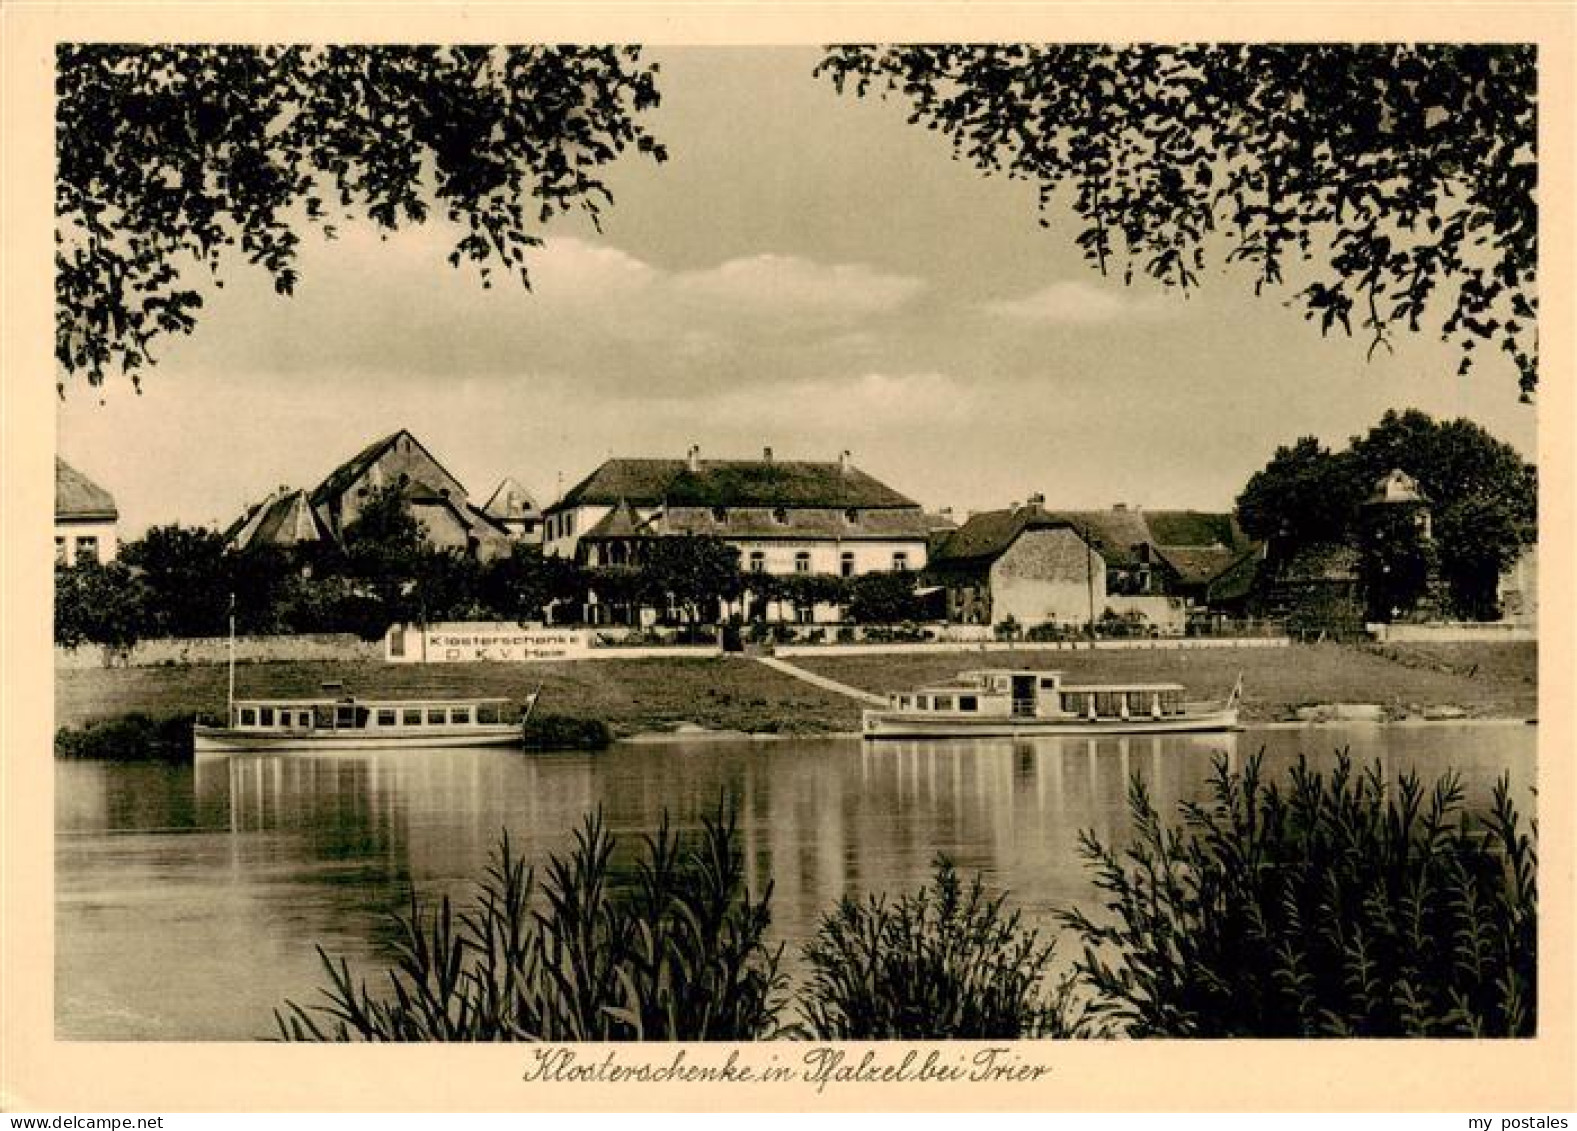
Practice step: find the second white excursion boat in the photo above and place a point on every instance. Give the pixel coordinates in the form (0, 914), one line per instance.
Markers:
(1003, 702)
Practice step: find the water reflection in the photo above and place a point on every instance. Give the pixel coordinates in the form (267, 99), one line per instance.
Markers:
(219, 878)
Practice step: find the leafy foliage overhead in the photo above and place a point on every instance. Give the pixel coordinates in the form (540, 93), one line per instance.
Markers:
(1383, 173)
(172, 157)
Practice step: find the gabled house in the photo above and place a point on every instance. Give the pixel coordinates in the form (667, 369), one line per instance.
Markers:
(784, 516)
(513, 508)
(1023, 564)
(397, 462)
(86, 518)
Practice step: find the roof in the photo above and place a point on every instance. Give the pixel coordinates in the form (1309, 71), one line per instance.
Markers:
(510, 501)
(987, 535)
(1195, 565)
(734, 483)
(282, 519)
(77, 496)
(1396, 486)
(338, 481)
(620, 522)
(1118, 531)
(1237, 580)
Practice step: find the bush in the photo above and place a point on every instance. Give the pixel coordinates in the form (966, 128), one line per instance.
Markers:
(563, 732)
(942, 963)
(1338, 908)
(678, 956)
(130, 738)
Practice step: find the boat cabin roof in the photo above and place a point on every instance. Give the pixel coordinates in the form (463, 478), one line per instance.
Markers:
(971, 681)
(352, 701)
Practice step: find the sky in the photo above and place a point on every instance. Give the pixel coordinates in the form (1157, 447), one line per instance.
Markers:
(807, 272)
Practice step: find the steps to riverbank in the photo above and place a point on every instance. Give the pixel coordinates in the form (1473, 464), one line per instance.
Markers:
(821, 681)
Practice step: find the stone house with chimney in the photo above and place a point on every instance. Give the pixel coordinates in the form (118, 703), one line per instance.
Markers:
(1020, 564)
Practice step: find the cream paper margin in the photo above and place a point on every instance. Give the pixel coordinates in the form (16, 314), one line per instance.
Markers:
(39, 1073)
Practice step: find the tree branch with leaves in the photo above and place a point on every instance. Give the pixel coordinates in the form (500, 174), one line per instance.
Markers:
(174, 158)
(1391, 183)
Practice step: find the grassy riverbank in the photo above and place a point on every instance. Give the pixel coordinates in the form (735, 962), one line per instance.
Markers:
(634, 696)
(1483, 680)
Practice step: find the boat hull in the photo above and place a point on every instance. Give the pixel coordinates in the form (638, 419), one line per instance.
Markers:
(896, 724)
(224, 740)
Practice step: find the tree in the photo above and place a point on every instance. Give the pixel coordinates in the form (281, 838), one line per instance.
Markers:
(883, 598)
(1399, 176)
(1305, 494)
(185, 579)
(98, 603)
(172, 157)
(693, 572)
(520, 586)
(1482, 497)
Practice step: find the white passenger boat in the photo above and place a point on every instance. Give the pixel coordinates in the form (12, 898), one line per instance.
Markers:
(344, 722)
(1016, 703)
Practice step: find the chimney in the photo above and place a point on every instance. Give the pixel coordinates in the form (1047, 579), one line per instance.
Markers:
(1037, 499)
(843, 462)
(766, 455)
(693, 457)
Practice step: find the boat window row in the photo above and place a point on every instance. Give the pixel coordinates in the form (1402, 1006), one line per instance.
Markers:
(343, 716)
(1115, 704)
(939, 702)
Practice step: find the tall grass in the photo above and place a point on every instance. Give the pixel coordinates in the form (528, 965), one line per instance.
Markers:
(678, 955)
(945, 962)
(1338, 906)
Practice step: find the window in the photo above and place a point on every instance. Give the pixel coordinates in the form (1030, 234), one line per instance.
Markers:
(303, 719)
(487, 713)
(846, 563)
(923, 702)
(1047, 683)
(248, 716)
(435, 716)
(900, 561)
(87, 549)
(802, 561)
(460, 715)
(758, 561)
(60, 550)
(569, 523)
(780, 515)
(719, 514)
(265, 717)
(851, 516)
(968, 703)
(411, 717)
(944, 702)
(386, 716)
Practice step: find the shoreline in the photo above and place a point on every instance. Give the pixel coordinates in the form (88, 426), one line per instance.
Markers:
(688, 696)
(679, 738)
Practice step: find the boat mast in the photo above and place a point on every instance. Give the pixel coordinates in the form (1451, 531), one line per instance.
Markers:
(230, 689)
(1089, 580)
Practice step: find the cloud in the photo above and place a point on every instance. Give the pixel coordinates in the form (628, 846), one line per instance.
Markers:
(1068, 303)
(787, 285)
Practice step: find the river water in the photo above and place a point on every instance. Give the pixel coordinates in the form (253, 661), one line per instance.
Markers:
(190, 898)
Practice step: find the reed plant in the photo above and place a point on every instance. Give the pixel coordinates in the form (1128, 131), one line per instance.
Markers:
(944, 962)
(677, 954)
(1341, 905)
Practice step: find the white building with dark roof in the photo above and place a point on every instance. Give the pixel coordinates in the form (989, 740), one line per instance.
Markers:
(784, 516)
(85, 518)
